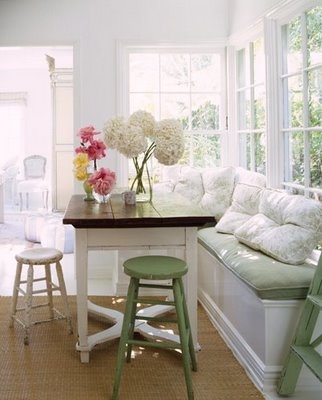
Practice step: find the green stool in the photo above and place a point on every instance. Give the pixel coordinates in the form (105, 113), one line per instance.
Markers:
(156, 268)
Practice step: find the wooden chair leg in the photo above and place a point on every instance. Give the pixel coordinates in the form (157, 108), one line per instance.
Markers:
(184, 336)
(28, 303)
(187, 320)
(49, 291)
(15, 293)
(63, 292)
(124, 337)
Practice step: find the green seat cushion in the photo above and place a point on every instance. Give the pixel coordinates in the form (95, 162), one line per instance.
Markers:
(267, 277)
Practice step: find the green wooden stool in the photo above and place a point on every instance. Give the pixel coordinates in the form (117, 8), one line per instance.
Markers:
(156, 268)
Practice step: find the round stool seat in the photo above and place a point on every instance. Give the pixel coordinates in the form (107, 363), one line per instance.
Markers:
(39, 256)
(155, 267)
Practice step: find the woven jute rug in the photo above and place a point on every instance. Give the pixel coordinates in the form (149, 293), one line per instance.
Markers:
(50, 368)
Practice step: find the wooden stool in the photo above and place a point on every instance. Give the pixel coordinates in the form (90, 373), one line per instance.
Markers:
(156, 268)
(39, 256)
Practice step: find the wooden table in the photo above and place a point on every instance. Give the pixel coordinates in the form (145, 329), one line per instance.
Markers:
(169, 222)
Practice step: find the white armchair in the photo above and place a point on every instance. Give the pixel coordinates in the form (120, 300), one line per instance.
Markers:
(34, 171)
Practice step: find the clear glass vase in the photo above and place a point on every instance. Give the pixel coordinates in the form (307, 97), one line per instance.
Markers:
(143, 184)
(101, 198)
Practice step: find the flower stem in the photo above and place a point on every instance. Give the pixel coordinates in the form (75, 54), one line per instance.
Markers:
(138, 180)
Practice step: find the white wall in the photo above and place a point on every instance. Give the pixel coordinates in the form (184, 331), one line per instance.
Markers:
(36, 83)
(94, 27)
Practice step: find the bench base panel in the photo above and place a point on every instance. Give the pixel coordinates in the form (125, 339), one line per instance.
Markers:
(258, 332)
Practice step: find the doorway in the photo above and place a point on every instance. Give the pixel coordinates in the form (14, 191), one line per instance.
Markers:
(33, 93)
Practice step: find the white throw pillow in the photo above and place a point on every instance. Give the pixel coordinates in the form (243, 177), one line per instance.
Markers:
(250, 177)
(189, 184)
(287, 227)
(218, 183)
(245, 203)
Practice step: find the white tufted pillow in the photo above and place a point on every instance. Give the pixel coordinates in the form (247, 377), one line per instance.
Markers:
(250, 177)
(218, 183)
(245, 203)
(190, 184)
(287, 227)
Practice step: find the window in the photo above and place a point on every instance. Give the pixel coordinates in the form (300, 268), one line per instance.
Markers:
(185, 84)
(302, 102)
(251, 109)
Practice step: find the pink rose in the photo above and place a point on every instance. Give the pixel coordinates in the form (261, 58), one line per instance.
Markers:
(96, 150)
(87, 134)
(103, 181)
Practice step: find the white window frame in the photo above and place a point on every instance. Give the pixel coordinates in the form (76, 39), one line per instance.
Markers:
(274, 24)
(269, 25)
(126, 48)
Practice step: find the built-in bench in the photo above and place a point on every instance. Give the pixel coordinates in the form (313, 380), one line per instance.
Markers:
(254, 269)
(268, 278)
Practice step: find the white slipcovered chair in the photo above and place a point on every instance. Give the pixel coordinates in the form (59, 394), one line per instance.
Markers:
(34, 171)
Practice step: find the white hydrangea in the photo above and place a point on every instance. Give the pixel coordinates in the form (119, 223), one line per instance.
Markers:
(169, 141)
(132, 141)
(144, 120)
(141, 134)
(112, 131)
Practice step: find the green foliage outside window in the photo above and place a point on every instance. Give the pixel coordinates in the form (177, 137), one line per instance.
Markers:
(297, 143)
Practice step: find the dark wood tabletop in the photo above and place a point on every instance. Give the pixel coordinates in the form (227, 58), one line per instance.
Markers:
(166, 210)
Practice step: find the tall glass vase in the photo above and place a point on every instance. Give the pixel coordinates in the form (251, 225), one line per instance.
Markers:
(142, 183)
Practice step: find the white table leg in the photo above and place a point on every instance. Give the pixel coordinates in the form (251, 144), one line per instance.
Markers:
(191, 287)
(81, 261)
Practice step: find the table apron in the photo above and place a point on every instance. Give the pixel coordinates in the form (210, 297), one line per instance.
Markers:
(119, 238)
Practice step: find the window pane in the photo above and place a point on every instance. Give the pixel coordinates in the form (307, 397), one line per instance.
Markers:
(175, 105)
(253, 151)
(314, 35)
(174, 72)
(202, 150)
(259, 107)
(315, 97)
(295, 102)
(205, 73)
(260, 155)
(293, 46)
(145, 101)
(259, 61)
(244, 110)
(144, 72)
(316, 159)
(205, 112)
(295, 157)
(187, 87)
(244, 150)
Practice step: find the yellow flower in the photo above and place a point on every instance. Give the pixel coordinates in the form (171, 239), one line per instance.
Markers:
(81, 163)
(81, 160)
(80, 173)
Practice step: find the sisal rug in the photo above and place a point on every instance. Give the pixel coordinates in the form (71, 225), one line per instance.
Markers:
(50, 368)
